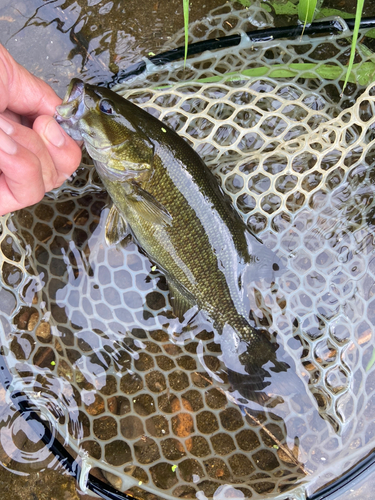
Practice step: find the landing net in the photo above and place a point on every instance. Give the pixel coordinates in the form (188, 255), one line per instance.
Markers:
(84, 325)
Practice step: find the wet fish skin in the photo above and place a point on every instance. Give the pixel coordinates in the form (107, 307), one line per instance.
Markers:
(166, 198)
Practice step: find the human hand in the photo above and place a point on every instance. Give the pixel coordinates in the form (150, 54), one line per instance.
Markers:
(36, 154)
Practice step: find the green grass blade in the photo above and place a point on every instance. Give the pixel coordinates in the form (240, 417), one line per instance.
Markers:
(371, 362)
(185, 4)
(358, 16)
(363, 73)
(306, 9)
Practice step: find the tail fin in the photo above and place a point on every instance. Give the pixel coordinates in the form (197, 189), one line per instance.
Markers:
(258, 370)
(266, 379)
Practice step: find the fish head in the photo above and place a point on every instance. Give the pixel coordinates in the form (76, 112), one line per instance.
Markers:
(102, 119)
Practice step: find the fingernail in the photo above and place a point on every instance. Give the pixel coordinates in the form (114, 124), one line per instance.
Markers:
(7, 144)
(6, 126)
(54, 134)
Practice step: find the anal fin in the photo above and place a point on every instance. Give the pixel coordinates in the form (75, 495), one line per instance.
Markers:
(180, 302)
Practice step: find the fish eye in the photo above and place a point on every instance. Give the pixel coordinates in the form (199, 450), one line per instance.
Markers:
(106, 107)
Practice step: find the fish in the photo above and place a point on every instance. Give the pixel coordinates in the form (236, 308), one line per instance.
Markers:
(170, 204)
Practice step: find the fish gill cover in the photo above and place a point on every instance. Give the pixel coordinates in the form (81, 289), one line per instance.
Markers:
(87, 328)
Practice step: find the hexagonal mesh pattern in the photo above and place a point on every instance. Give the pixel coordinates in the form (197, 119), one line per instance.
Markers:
(90, 335)
(319, 64)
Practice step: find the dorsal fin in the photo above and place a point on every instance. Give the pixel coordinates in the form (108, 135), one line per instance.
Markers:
(263, 263)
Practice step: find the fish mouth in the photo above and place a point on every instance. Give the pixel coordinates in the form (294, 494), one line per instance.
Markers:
(72, 109)
(75, 90)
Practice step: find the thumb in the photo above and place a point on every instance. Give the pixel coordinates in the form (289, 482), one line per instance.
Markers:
(64, 151)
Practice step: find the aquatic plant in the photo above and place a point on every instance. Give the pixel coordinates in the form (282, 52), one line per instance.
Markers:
(186, 26)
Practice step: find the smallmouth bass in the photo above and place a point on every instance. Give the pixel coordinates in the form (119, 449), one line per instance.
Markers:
(168, 201)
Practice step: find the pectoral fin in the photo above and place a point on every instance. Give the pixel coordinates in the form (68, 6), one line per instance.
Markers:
(148, 207)
(116, 228)
(180, 303)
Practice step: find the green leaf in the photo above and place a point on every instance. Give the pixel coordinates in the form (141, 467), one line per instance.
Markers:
(363, 73)
(358, 16)
(306, 10)
(333, 12)
(282, 9)
(245, 3)
(185, 4)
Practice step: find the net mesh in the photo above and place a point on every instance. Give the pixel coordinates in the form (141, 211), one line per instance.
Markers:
(88, 332)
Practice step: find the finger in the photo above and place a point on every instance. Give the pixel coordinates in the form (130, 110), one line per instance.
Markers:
(21, 180)
(65, 153)
(22, 92)
(9, 115)
(32, 142)
(24, 120)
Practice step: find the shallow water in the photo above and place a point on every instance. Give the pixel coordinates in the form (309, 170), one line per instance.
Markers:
(69, 232)
(58, 40)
